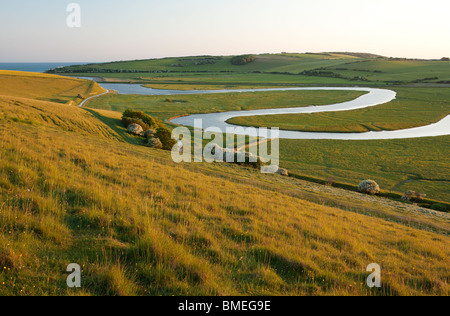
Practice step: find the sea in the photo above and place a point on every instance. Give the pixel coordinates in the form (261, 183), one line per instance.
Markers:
(34, 67)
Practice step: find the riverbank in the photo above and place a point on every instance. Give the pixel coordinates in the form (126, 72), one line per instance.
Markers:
(374, 97)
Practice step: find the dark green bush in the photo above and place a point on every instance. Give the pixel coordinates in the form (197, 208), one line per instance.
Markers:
(247, 163)
(242, 60)
(440, 207)
(140, 116)
(127, 121)
(165, 136)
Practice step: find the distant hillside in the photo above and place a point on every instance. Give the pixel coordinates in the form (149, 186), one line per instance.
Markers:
(359, 55)
(265, 62)
(326, 68)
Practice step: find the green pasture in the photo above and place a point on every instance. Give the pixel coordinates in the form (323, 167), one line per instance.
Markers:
(165, 107)
(413, 107)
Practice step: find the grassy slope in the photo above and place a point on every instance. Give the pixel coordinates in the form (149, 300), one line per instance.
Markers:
(139, 224)
(396, 70)
(21, 96)
(45, 87)
(270, 63)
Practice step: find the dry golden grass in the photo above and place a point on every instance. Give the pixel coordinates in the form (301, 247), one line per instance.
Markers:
(171, 230)
(20, 101)
(45, 87)
(139, 224)
(60, 116)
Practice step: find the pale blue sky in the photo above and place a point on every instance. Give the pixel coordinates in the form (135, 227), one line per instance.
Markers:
(36, 31)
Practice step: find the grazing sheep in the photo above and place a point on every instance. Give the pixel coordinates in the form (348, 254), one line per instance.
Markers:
(270, 169)
(275, 170)
(283, 172)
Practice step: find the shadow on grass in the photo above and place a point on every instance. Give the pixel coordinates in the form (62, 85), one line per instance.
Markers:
(117, 127)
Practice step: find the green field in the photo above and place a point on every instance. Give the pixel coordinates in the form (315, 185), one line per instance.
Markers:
(165, 107)
(217, 80)
(397, 70)
(397, 165)
(413, 107)
(75, 187)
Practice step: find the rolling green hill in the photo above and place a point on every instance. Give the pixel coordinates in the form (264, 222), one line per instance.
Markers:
(396, 70)
(331, 68)
(268, 63)
(74, 187)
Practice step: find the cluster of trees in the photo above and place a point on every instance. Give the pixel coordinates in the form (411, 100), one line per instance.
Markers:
(205, 61)
(248, 161)
(165, 136)
(320, 73)
(140, 118)
(153, 129)
(242, 60)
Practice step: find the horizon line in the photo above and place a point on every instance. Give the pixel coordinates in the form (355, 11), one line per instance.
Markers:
(224, 55)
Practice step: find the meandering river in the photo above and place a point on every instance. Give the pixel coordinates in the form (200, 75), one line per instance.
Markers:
(373, 97)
